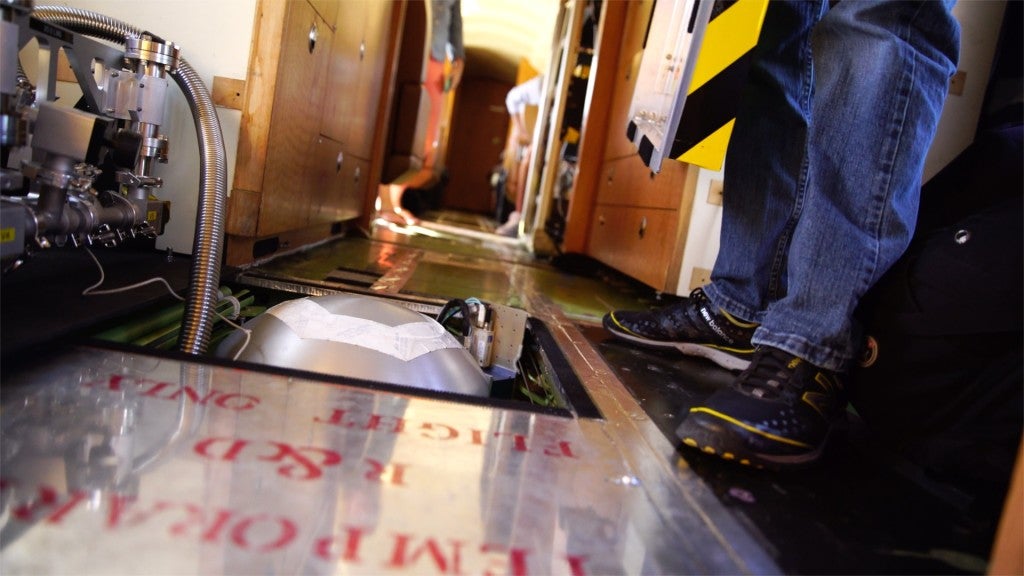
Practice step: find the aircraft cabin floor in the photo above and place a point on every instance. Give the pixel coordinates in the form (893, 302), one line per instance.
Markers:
(860, 510)
(570, 491)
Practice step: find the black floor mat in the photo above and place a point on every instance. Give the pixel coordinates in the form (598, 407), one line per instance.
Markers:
(43, 299)
(859, 510)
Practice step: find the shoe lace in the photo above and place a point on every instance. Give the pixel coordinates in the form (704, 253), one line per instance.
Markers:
(676, 313)
(726, 320)
(675, 316)
(768, 374)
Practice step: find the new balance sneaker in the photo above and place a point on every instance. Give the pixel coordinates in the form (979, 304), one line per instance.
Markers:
(692, 326)
(777, 413)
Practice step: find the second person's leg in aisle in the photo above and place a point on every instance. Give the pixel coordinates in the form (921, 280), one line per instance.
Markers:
(880, 73)
(763, 165)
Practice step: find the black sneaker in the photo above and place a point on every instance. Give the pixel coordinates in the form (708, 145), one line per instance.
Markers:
(692, 326)
(777, 413)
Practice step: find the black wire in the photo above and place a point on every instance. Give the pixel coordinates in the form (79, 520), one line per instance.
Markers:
(450, 310)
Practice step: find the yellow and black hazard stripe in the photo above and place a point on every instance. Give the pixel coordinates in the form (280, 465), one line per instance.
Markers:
(718, 78)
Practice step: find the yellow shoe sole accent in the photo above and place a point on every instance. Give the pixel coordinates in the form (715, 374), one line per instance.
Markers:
(750, 428)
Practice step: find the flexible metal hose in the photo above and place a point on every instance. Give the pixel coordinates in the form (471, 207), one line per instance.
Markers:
(204, 279)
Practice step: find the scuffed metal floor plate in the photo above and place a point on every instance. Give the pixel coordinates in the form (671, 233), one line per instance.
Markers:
(123, 463)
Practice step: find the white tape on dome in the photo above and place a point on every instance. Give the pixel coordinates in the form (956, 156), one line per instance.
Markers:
(311, 321)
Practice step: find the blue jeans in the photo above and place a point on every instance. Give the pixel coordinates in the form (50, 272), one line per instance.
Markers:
(823, 171)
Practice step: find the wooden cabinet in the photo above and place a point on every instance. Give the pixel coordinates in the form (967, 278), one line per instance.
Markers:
(288, 186)
(344, 176)
(639, 220)
(357, 65)
(634, 240)
(352, 108)
(327, 9)
(310, 121)
(626, 181)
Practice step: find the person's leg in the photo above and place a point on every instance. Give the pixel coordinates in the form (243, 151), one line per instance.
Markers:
(881, 70)
(434, 86)
(765, 161)
(391, 194)
(391, 205)
(762, 167)
(523, 153)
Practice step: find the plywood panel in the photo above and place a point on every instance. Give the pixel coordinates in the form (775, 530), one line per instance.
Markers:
(340, 109)
(340, 186)
(627, 181)
(228, 92)
(294, 132)
(328, 9)
(636, 241)
(243, 212)
(259, 96)
(367, 105)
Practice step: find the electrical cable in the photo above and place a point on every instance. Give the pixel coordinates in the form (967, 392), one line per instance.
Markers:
(91, 291)
(450, 310)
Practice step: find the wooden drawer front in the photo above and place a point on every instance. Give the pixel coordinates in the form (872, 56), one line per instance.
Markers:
(327, 9)
(341, 184)
(368, 98)
(635, 241)
(356, 78)
(344, 72)
(628, 182)
(286, 190)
